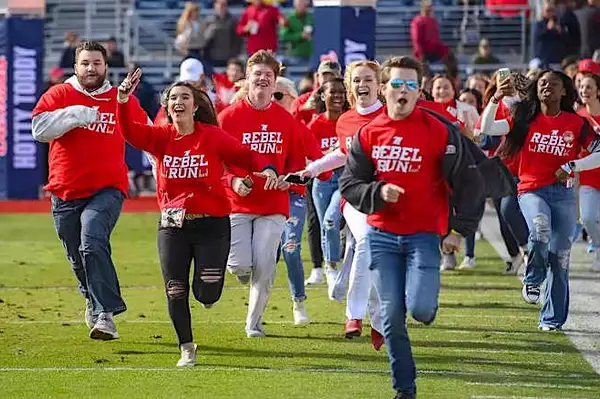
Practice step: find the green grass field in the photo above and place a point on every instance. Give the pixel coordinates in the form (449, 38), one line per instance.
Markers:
(484, 343)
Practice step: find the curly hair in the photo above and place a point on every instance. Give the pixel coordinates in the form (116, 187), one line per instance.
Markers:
(525, 111)
(320, 104)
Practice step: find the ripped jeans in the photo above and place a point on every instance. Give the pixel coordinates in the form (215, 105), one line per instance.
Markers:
(550, 213)
(291, 249)
(206, 241)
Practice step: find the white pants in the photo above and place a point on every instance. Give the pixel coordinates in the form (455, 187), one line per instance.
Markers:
(361, 293)
(254, 243)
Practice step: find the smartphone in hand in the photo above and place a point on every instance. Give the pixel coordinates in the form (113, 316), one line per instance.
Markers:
(295, 179)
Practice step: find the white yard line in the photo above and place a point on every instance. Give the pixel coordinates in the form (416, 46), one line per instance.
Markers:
(583, 325)
(201, 368)
(530, 385)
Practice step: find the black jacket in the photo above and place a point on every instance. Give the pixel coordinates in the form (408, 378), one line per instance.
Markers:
(461, 167)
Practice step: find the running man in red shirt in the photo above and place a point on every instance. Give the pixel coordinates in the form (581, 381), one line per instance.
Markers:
(549, 136)
(258, 216)
(399, 170)
(191, 152)
(88, 178)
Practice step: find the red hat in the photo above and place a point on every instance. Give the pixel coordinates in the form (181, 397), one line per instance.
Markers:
(56, 72)
(588, 65)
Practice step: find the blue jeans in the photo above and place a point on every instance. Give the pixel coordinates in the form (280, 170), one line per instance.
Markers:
(326, 197)
(84, 227)
(550, 214)
(406, 275)
(511, 214)
(589, 209)
(291, 249)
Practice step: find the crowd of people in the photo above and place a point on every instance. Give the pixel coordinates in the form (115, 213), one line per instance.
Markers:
(387, 166)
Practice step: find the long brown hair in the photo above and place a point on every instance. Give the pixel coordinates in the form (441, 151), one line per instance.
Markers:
(205, 112)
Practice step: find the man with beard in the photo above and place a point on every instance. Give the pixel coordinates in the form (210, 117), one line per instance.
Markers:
(88, 179)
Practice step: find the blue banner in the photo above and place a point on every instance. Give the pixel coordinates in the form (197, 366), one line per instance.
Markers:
(21, 51)
(346, 30)
(3, 109)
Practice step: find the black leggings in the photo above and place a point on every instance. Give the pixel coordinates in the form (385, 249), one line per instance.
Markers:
(313, 228)
(207, 242)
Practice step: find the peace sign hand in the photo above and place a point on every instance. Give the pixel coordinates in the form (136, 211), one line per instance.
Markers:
(129, 84)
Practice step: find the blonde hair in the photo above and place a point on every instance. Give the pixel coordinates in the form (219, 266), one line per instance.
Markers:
(185, 15)
(264, 57)
(288, 85)
(241, 93)
(372, 65)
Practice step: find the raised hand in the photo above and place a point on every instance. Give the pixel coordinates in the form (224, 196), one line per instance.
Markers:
(129, 84)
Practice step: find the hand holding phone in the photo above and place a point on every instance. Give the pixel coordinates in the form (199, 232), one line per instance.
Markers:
(295, 179)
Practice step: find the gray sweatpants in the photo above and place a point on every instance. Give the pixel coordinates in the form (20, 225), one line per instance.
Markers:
(254, 243)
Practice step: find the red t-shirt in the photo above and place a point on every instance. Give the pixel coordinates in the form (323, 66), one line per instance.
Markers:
(87, 159)
(161, 117)
(348, 125)
(550, 143)
(590, 177)
(503, 112)
(267, 35)
(190, 168)
(224, 89)
(324, 131)
(441, 109)
(312, 151)
(274, 133)
(409, 153)
(303, 115)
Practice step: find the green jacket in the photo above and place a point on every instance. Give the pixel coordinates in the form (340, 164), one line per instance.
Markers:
(291, 34)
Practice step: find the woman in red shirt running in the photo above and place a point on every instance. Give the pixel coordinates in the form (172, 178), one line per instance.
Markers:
(549, 136)
(589, 182)
(191, 152)
(362, 85)
(325, 194)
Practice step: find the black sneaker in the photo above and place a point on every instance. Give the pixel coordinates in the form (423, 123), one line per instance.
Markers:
(405, 395)
(531, 293)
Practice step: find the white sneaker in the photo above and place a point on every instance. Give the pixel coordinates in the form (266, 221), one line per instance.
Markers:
(188, 355)
(300, 316)
(467, 263)
(596, 262)
(331, 273)
(531, 293)
(90, 319)
(259, 333)
(448, 262)
(105, 328)
(316, 276)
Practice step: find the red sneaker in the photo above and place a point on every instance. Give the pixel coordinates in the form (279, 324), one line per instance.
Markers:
(353, 328)
(377, 339)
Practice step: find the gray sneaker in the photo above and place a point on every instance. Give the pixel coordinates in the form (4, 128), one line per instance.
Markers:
(90, 319)
(105, 328)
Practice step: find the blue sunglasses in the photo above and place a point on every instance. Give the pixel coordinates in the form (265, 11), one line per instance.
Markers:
(411, 85)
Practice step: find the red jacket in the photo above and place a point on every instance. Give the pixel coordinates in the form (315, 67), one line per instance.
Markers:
(425, 37)
(275, 134)
(190, 168)
(303, 115)
(89, 158)
(267, 36)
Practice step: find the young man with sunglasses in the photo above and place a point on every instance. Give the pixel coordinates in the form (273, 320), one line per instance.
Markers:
(399, 171)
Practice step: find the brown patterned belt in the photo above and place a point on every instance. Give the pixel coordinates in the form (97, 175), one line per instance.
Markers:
(192, 216)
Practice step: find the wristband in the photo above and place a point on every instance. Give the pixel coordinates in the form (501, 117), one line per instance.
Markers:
(455, 232)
